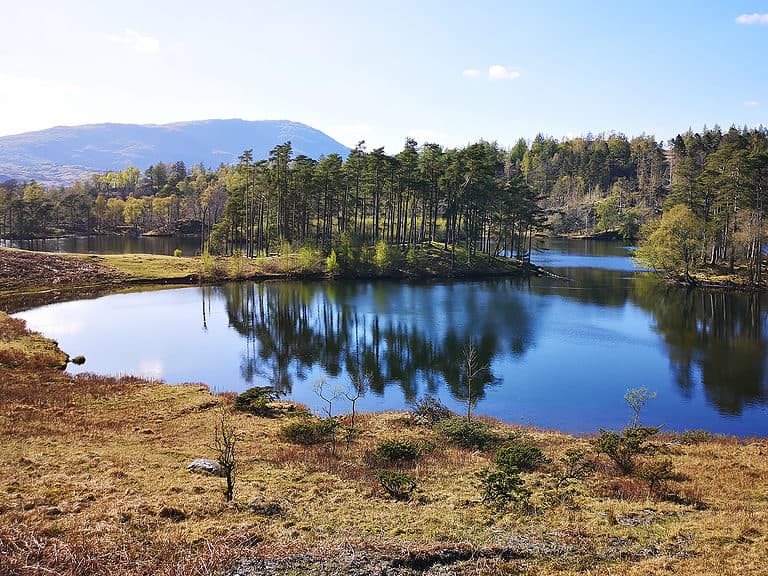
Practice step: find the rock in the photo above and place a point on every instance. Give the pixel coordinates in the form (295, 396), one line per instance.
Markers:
(206, 465)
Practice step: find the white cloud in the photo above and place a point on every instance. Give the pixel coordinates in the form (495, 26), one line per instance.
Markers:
(751, 104)
(499, 72)
(471, 73)
(752, 19)
(137, 42)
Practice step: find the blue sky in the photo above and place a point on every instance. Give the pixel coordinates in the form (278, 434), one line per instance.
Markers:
(450, 72)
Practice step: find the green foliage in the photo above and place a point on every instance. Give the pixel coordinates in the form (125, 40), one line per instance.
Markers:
(237, 264)
(471, 434)
(695, 437)
(284, 247)
(332, 264)
(309, 259)
(178, 253)
(656, 473)
(395, 451)
(672, 245)
(398, 485)
(348, 252)
(429, 410)
(309, 431)
(210, 267)
(257, 400)
(382, 258)
(608, 213)
(629, 226)
(413, 259)
(519, 456)
(502, 488)
(623, 448)
(574, 465)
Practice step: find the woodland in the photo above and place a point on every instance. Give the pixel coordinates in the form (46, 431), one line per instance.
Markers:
(696, 201)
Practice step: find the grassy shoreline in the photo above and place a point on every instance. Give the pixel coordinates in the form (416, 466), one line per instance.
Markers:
(33, 277)
(93, 481)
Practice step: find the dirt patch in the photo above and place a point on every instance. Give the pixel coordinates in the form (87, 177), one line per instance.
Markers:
(20, 269)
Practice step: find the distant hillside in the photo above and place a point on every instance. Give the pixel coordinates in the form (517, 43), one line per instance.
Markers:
(64, 154)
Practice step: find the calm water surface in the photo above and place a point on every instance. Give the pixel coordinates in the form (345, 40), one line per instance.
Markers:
(561, 353)
(162, 245)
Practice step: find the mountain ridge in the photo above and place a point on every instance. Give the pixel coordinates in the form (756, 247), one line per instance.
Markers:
(62, 154)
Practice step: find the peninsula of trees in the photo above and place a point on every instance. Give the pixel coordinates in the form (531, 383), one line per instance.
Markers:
(701, 198)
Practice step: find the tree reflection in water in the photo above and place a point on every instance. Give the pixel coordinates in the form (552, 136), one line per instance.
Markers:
(411, 336)
(715, 336)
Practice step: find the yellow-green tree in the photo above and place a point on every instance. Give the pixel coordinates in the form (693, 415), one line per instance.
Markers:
(672, 243)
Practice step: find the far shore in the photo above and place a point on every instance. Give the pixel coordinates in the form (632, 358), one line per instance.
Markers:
(30, 276)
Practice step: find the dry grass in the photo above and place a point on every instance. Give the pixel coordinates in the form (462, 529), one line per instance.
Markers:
(93, 481)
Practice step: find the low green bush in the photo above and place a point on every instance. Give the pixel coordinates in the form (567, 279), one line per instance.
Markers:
(501, 488)
(519, 456)
(623, 448)
(695, 437)
(394, 451)
(257, 400)
(398, 485)
(472, 434)
(656, 473)
(309, 431)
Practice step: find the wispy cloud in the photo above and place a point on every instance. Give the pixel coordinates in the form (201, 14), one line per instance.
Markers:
(471, 73)
(753, 19)
(137, 42)
(751, 103)
(499, 72)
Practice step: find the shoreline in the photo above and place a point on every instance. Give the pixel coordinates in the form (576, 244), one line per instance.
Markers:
(31, 276)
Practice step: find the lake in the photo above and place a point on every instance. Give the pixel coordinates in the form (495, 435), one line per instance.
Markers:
(161, 245)
(560, 354)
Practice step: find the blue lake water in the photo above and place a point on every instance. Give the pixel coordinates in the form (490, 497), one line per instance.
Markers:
(561, 353)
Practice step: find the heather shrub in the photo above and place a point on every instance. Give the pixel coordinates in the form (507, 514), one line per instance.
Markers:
(309, 431)
(395, 451)
(398, 485)
(519, 456)
(471, 434)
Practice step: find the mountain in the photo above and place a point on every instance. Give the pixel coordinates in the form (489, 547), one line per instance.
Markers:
(64, 154)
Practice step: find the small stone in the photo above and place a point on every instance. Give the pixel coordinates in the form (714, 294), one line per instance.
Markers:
(206, 465)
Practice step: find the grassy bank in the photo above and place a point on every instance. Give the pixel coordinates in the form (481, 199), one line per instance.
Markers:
(93, 481)
(25, 274)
